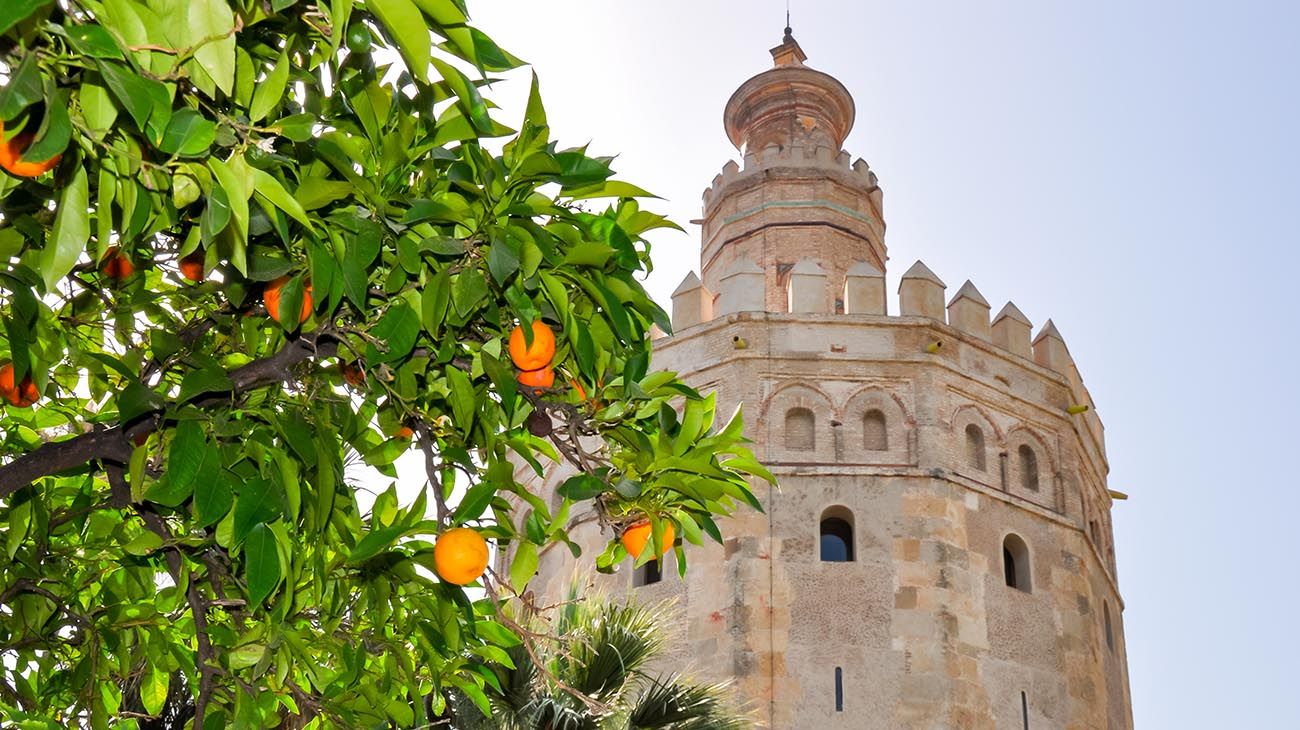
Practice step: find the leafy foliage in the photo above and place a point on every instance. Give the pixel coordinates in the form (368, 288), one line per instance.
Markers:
(599, 676)
(179, 537)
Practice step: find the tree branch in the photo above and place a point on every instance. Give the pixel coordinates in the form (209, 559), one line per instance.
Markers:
(112, 444)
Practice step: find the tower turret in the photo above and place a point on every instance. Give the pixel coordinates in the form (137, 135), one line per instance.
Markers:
(797, 199)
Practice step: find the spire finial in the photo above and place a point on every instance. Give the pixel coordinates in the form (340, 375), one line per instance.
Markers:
(789, 32)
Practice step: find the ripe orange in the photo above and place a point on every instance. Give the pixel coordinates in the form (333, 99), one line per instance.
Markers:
(540, 378)
(116, 265)
(353, 373)
(11, 152)
(404, 432)
(636, 537)
(192, 266)
(460, 555)
(23, 394)
(271, 297)
(534, 356)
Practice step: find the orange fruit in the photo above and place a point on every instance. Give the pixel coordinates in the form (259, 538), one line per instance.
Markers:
(353, 373)
(404, 432)
(460, 555)
(636, 537)
(540, 378)
(537, 355)
(192, 266)
(11, 152)
(21, 395)
(116, 265)
(271, 297)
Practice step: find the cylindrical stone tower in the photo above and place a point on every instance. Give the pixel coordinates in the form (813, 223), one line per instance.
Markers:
(939, 552)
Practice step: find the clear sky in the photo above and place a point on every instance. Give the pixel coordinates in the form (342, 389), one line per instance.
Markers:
(1127, 168)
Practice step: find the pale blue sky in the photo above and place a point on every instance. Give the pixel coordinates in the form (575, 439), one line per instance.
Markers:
(1126, 168)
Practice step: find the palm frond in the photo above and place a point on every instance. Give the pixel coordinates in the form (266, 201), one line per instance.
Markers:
(672, 704)
(610, 643)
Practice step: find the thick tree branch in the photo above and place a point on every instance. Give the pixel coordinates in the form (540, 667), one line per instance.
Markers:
(113, 444)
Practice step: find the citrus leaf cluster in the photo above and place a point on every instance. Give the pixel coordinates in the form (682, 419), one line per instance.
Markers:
(269, 244)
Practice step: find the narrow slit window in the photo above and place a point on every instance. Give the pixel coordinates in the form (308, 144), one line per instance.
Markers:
(1028, 468)
(875, 433)
(839, 689)
(1015, 563)
(975, 456)
(1110, 634)
(1024, 709)
(800, 429)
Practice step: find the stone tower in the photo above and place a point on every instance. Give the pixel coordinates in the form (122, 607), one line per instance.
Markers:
(939, 552)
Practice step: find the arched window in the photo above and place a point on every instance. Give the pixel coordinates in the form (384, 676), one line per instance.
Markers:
(875, 435)
(1110, 633)
(975, 447)
(1028, 468)
(1015, 563)
(837, 536)
(800, 424)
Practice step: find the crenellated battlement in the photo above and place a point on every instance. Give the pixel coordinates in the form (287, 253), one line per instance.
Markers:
(796, 158)
(921, 293)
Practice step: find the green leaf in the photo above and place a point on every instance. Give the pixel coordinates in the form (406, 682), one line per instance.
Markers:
(496, 633)
(145, 100)
(475, 502)
(470, 289)
(143, 544)
(269, 189)
(581, 486)
(317, 192)
(17, 11)
(374, 541)
(261, 563)
(97, 106)
(398, 328)
(255, 502)
(471, 102)
(23, 90)
(502, 261)
(188, 134)
(589, 253)
(213, 500)
(578, 170)
(357, 258)
(462, 398)
(93, 41)
(297, 127)
(524, 565)
(216, 214)
(55, 131)
(135, 400)
(203, 380)
(70, 233)
(409, 31)
(270, 90)
(153, 689)
(210, 26)
(191, 460)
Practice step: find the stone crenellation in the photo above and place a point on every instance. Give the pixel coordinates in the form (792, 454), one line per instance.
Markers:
(820, 157)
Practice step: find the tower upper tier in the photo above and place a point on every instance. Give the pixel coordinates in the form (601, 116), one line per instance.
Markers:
(789, 105)
(783, 232)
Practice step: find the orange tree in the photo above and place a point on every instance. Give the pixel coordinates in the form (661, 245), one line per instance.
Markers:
(183, 178)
